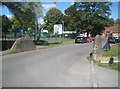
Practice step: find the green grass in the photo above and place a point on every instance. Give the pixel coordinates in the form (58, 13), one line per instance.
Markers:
(113, 51)
(114, 66)
(59, 42)
(51, 43)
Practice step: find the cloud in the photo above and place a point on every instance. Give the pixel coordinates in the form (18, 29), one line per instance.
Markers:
(72, 2)
(48, 6)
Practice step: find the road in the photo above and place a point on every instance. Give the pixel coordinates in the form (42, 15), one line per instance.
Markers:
(64, 66)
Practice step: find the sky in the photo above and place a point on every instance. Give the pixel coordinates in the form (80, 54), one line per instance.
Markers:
(61, 6)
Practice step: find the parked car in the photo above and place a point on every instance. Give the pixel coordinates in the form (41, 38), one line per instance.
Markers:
(117, 38)
(93, 38)
(112, 39)
(80, 39)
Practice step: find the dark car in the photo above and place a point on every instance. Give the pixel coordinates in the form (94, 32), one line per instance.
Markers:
(112, 40)
(117, 39)
(80, 39)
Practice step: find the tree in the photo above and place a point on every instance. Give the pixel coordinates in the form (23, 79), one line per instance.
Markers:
(14, 7)
(6, 25)
(18, 7)
(70, 19)
(34, 11)
(27, 19)
(53, 16)
(111, 22)
(26, 12)
(15, 23)
(117, 22)
(90, 17)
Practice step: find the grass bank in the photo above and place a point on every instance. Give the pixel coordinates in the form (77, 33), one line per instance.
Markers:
(114, 66)
(43, 44)
(114, 51)
(59, 42)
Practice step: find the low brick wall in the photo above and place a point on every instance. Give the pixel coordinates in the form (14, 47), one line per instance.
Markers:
(23, 44)
(103, 36)
(107, 59)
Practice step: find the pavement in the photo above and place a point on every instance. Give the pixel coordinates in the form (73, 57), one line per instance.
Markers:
(41, 47)
(64, 66)
(106, 77)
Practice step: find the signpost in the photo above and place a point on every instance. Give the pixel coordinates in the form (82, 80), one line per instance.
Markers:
(17, 31)
(58, 30)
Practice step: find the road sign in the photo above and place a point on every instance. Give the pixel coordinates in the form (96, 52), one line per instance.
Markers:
(19, 30)
(58, 29)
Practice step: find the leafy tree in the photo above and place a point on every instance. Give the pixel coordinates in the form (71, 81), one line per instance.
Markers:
(70, 19)
(18, 7)
(31, 11)
(89, 17)
(14, 7)
(117, 22)
(27, 19)
(26, 12)
(0, 26)
(0, 22)
(53, 16)
(15, 23)
(111, 22)
(6, 25)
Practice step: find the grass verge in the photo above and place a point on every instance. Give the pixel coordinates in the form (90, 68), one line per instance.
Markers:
(113, 51)
(59, 42)
(51, 43)
(114, 66)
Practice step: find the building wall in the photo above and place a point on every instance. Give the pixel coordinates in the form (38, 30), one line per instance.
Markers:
(115, 34)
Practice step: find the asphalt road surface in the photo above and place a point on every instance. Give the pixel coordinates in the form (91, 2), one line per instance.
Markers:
(64, 66)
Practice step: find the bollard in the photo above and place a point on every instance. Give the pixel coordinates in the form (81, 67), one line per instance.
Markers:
(111, 60)
(91, 54)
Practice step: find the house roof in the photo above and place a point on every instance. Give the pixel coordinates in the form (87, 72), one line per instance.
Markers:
(114, 29)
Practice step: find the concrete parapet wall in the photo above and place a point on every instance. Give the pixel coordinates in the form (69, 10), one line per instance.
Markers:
(103, 36)
(97, 47)
(107, 59)
(23, 44)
